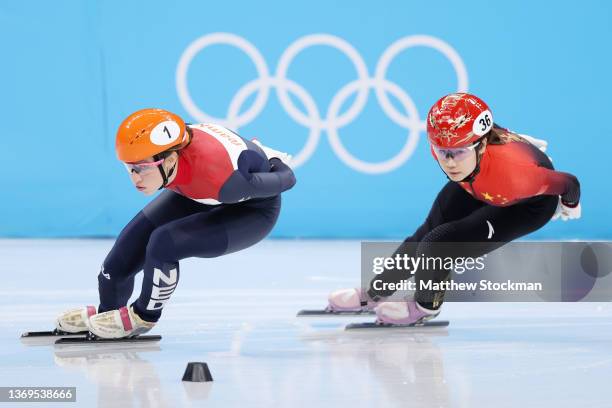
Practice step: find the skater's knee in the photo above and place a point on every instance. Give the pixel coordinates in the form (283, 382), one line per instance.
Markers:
(441, 233)
(112, 273)
(435, 241)
(438, 244)
(161, 245)
(113, 270)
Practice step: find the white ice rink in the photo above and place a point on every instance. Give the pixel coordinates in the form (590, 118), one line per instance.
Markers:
(237, 313)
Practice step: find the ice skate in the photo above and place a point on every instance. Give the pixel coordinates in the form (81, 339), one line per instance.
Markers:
(403, 313)
(349, 300)
(119, 323)
(75, 320)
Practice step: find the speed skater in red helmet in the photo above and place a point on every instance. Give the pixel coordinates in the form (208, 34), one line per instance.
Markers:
(502, 186)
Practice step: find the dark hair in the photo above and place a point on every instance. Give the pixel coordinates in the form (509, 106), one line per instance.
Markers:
(499, 136)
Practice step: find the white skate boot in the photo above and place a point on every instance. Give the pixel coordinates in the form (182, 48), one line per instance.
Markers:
(349, 300)
(75, 320)
(119, 323)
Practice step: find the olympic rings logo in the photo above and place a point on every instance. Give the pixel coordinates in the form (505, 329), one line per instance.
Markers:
(333, 120)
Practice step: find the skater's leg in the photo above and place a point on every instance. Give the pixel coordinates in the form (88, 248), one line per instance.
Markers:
(126, 258)
(206, 235)
(452, 203)
(507, 223)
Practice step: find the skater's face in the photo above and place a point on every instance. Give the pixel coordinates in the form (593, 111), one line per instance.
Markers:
(458, 166)
(145, 174)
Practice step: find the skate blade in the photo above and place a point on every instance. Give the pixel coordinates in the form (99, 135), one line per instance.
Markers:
(325, 312)
(51, 333)
(46, 338)
(92, 339)
(373, 325)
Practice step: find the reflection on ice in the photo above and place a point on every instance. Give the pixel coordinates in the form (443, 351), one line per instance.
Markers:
(400, 364)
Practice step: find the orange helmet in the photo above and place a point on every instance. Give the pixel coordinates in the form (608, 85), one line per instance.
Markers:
(148, 132)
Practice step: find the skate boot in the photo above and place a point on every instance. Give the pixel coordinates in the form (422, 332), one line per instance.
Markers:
(119, 323)
(349, 300)
(75, 320)
(403, 313)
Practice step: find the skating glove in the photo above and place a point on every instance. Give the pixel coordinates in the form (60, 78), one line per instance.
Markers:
(565, 212)
(271, 153)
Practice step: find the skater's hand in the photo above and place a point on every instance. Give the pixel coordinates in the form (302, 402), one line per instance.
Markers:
(271, 153)
(567, 213)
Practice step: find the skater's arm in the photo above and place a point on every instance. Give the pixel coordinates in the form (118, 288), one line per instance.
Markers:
(244, 185)
(279, 179)
(552, 182)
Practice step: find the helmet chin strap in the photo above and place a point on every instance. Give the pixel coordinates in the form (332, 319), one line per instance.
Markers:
(476, 170)
(470, 177)
(165, 176)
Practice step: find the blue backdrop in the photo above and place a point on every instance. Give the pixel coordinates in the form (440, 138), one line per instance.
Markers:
(344, 86)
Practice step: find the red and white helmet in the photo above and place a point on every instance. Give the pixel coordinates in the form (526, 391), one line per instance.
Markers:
(458, 120)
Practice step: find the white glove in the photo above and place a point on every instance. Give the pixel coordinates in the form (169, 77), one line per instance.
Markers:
(271, 153)
(539, 143)
(567, 213)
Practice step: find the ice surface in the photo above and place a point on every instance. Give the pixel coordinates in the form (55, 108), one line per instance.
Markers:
(237, 313)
